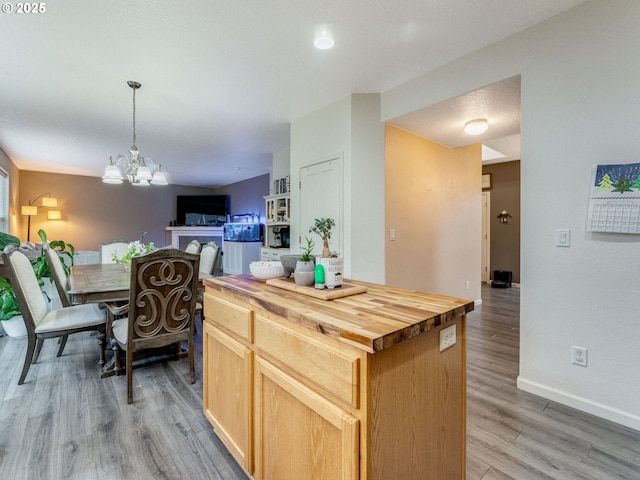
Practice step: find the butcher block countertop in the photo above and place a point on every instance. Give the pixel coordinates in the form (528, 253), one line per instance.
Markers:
(372, 321)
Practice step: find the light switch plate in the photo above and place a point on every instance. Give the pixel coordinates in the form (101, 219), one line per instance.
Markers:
(563, 237)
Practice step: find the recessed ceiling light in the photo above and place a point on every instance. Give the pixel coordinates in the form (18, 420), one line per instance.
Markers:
(324, 41)
(476, 126)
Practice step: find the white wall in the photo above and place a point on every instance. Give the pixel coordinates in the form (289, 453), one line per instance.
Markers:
(350, 127)
(280, 166)
(580, 77)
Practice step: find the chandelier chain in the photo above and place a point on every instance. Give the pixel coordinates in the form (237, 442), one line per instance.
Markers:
(134, 116)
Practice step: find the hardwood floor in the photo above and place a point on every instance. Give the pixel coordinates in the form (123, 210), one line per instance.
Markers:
(64, 422)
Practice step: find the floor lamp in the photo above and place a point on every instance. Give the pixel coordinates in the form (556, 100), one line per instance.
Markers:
(31, 210)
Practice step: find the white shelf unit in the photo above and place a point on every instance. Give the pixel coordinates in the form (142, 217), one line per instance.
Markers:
(277, 214)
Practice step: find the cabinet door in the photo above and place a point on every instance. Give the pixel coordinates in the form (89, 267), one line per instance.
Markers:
(299, 433)
(232, 258)
(227, 392)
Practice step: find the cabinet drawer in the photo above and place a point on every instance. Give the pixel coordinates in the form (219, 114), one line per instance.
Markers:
(334, 370)
(236, 319)
(274, 255)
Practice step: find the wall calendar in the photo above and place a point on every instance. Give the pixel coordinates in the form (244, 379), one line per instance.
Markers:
(614, 200)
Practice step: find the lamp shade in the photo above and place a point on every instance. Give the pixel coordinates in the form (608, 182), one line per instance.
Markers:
(29, 210)
(49, 202)
(158, 177)
(112, 174)
(54, 215)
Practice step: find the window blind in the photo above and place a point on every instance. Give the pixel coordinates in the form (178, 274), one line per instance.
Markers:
(4, 201)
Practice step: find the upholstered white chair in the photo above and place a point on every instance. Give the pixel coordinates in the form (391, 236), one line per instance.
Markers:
(41, 323)
(108, 249)
(161, 308)
(208, 256)
(193, 247)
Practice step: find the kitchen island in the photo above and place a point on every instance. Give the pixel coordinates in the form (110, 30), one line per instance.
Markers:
(357, 387)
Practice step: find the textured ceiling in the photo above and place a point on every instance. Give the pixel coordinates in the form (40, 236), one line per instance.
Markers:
(222, 80)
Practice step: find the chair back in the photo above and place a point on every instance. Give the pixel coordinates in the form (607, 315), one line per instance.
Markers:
(59, 276)
(33, 306)
(162, 299)
(208, 257)
(193, 247)
(108, 249)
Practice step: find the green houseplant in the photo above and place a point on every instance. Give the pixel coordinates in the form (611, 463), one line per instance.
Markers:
(322, 227)
(9, 308)
(304, 273)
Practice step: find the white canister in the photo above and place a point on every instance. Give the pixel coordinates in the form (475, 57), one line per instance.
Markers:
(333, 270)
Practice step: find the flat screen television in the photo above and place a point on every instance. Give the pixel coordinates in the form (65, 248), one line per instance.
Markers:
(204, 210)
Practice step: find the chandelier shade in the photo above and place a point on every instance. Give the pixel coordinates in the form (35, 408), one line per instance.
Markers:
(138, 170)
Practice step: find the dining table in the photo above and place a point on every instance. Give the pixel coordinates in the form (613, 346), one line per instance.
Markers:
(104, 283)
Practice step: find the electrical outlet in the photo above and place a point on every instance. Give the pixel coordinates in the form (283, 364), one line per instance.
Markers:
(579, 356)
(447, 337)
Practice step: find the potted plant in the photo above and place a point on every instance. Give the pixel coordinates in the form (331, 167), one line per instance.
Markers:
(333, 265)
(304, 273)
(10, 316)
(322, 227)
(12, 321)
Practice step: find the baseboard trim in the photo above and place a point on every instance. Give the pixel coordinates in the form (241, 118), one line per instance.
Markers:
(584, 405)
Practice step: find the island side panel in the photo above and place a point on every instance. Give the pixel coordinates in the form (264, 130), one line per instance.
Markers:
(416, 409)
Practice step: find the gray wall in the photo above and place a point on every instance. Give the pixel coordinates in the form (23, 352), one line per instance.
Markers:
(95, 212)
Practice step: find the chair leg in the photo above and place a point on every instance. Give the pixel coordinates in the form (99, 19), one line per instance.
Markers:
(102, 343)
(31, 345)
(63, 343)
(36, 355)
(191, 360)
(129, 375)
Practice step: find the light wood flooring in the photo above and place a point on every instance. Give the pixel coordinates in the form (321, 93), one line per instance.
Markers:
(64, 422)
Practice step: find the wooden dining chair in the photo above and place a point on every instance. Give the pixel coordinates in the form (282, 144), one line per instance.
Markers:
(108, 249)
(193, 246)
(61, 281)
(161, 308)
(41, 323)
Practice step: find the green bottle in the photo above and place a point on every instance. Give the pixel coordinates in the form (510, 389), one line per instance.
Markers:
(319, 276)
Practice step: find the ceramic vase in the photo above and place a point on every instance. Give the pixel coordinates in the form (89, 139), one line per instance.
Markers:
(14, 327)
(333, 270)
(304, 274)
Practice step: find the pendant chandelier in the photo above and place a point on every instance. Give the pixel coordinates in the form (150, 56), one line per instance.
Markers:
(136, 169)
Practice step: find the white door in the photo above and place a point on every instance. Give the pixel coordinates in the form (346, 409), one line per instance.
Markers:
(486, 235)
(321, 196)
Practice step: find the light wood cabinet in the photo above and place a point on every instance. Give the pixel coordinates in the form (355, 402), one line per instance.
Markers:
(228, 392)
(348, 389)
(301, 434)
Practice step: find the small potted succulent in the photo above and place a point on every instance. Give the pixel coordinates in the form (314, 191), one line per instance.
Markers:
(304, 274)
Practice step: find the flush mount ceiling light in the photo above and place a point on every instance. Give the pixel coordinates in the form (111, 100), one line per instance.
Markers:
(324, 41)
(476, 126)
(135, 169)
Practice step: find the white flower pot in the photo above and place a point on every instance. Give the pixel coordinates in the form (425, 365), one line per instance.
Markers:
(14, 327)
(333, 270)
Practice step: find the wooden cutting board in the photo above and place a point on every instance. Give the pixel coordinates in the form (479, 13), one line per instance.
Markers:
(344, 290)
